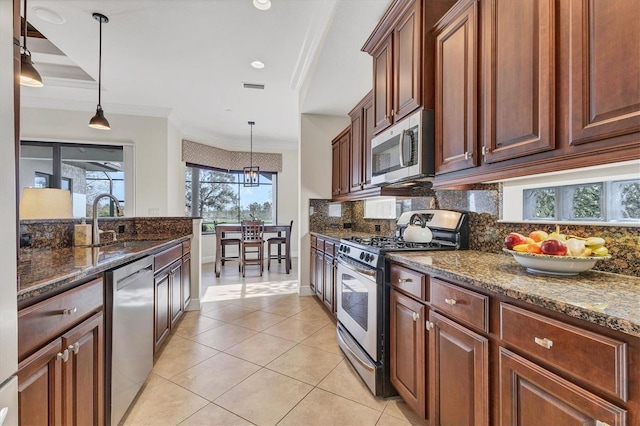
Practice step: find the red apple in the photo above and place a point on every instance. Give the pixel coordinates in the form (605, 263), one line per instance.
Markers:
(513, 239)
(554, 247)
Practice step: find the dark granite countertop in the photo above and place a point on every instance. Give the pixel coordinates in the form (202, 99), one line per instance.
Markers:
(45, 271)
(603, 298)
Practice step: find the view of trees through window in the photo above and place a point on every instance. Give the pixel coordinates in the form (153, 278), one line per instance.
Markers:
(220, 197)
(598, 201)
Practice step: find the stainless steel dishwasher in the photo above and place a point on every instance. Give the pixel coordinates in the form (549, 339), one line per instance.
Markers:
(129, 301)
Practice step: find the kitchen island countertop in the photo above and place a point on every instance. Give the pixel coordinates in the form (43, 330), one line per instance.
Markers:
(45, 271)
(609, 300)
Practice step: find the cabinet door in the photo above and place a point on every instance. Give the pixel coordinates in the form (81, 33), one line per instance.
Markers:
(345, 163)
(175, 282)
(320, 274)
(329, 282)
(382, 85)
(531, 395)
(162, 314)
(356, 151)
(83, 373)
(312, 270)
(335, 168)
(456, 109)
(459, 372)
(186, 281)
(40, 386)
(518, 78)
(368, 124)
(407, 78)
(604, 65)
(408, 351)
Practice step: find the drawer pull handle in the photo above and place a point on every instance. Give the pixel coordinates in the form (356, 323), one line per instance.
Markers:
(415, 316)
(74, 348)
(70, 311)
(545, 343)
(64, 356)
(404, 280)
(450, 301)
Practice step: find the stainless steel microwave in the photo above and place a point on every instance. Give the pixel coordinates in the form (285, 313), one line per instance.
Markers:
(405, 151)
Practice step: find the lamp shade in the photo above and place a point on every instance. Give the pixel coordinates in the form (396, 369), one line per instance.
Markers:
(45, 203)
(99, 121)
(29, 75)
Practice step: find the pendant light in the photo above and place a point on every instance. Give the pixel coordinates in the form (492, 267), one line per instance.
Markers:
(99, 121)
(29, 75)
(251, 173)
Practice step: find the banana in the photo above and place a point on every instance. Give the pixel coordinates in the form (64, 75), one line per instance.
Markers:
(601, 251)
(594, 242)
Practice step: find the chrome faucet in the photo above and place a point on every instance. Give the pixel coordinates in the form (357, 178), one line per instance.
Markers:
(95, 230)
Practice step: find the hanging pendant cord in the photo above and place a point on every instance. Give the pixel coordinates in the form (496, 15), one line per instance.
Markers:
(251, 152)
(25, 27)
(100, 66)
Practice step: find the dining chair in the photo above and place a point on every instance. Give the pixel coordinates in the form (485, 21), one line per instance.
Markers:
(281, 248)
(251, 245)
(230, 242)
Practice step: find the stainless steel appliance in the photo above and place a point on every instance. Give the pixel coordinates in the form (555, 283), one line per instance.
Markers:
(129, 301)
(404, 151)
(363, 297)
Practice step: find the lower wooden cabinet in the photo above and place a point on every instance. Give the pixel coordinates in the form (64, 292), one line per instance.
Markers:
(323, 271)
(531, 396)
(63, 382)
(329, 276)
(175, 278)
(459, 373)
(162, 323)
(186, 280)
(408, 350)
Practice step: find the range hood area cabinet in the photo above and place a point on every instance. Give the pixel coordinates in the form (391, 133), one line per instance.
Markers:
(533, 87)
(402, 53)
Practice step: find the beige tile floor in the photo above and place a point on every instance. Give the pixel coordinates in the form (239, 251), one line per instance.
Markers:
(257, 353)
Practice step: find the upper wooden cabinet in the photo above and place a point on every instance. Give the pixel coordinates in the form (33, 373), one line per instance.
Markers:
(556, 83)
(361, 134)
(401, 64)
(341, 153)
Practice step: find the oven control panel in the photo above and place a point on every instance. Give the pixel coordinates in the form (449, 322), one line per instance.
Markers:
(358, 254)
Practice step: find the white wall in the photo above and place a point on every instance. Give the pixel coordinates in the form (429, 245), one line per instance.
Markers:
(175, 173)
(288, 195)
(149, 135)
(314, 155)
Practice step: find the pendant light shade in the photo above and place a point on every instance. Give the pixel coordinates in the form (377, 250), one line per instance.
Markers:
(29, 75)
(251, 173)
(99, 121)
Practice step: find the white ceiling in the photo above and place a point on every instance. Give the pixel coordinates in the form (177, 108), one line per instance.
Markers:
(188, 60)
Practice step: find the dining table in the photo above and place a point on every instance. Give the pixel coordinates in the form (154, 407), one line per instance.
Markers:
(224, 229)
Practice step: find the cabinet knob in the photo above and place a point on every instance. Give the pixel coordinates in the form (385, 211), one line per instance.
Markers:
(468, 155)
(393, 113)
(485, 150)
(416, 316)
(74, 348)
(69, 311)
(64, 356)
(428, 325)
(450, 301)
(403, 280)
(545, 343)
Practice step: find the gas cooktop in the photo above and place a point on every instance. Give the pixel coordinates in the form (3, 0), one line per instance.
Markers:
(395, 244)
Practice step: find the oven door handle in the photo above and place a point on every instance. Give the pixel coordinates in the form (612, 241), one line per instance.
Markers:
(360, 270)
(353, 354)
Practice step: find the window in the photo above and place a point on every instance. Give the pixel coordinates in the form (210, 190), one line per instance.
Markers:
(84, 169)
(605, 194)
(219, 196)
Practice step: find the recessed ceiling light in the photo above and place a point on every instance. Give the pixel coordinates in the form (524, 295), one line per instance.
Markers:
(257, 65)
(262, 4)
(48, 15)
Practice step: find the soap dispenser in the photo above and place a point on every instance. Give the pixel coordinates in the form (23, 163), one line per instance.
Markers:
(82, 234)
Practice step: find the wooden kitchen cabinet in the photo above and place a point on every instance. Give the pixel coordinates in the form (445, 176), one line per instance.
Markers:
(186, 274)
(320, 274)
(456, 76)
(459, 373)
(341, 163)
(169, 298)
(408, 350)
(361, 135)
(323, 271)
(61, 378)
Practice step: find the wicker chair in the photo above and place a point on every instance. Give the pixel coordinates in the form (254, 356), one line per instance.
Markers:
(280, 242)
(251, 245)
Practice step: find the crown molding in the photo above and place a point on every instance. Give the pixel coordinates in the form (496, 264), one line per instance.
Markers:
(78, 105)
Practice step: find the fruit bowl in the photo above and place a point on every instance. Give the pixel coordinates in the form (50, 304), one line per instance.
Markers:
(555, 265)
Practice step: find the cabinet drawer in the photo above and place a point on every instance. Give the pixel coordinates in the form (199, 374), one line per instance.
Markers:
(409, 281)
(329, 248)
(48, 319)
(167, 257)
(186, 247)
(314, 241)
(595, 359)
(320, 244)
(461, 304)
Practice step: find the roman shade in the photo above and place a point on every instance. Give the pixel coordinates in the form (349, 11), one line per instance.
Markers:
(210, 156)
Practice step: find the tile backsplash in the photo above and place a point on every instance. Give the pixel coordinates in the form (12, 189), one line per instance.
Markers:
(482, 202)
